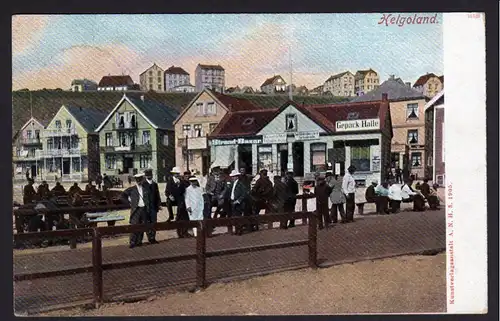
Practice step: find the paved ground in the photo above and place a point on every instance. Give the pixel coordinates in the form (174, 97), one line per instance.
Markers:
(368, 238)
(405, 284)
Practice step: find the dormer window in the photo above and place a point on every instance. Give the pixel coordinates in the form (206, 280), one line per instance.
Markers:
(58, 124)
(198, 130)
(291, 122)
(248, 121)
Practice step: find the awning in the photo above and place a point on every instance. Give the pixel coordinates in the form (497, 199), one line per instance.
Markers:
(224, 156)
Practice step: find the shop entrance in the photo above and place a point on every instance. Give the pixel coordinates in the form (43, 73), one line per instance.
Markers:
(205, 163)
(65, 166)
(283, 153)
(298, 158)
(128, 164)
(33, 170)
(245, 157)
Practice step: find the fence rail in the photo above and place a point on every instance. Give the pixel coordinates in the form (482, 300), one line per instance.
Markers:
(200, 256)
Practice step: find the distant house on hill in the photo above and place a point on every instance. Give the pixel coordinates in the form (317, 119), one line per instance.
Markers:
(274, 85)
(83, 85)
(117, 83)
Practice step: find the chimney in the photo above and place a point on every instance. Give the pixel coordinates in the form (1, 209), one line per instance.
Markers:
(142, 97)
(391, 77)
(384, 97)
(408, 84)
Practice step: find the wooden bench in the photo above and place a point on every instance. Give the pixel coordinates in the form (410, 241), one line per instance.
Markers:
(361, 206)
(96, 218)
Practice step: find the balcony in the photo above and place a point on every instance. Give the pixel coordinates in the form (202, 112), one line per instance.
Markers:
(72, 152)
(126, 126)
(24, 156)
(31, 141)
(59, 132)
(126, 149)
(197, 143)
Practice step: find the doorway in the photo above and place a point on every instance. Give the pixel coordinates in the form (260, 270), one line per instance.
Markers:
(65, 166)
(128, 164)
(245, 157)
(283, 154)
(298, 158)
(33, 171)
(205, 163)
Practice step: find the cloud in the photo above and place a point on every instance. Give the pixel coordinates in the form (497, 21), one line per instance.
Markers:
(77, 62)
(27, 31)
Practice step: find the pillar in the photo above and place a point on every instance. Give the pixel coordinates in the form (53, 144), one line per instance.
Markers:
(236, 158)
(255, 159)
(307, 157)
(347, 157)
(290, 155)
(274, 158)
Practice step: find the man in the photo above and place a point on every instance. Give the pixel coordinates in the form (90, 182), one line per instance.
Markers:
(248, 182)
(58, 189)
(174, 191)
(349, 189)
(338, 199)
(262, 192)
(106, 183)
(395, 197)
(277, 202)
(433, 200)
(29, 192)
(214, 189)
(382, 192)
(43, 190)
(90, 188)
(322, 191)
(154, 203)
(27, 174)
(399, 174)
(98, 181)
(292, 189)
(75, 189)
(137, 196)
(371, 195)
(239, 196)
(194, 202)
(409, 195)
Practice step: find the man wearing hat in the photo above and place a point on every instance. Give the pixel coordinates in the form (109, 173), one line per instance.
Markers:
(349, 189)
(371, 195)
(238, 197)
(154, 202)
(137, 196)
(262, 193)
(292, 189)
(29, 192)
(174, 191)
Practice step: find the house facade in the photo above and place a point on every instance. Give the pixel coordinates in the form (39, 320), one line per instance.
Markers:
(341, 84)
(83, 85)
(317, 91)
(429, 84)
(152, 79)
(176, 78)
(274, 85)
(138, 134)
(26, 143)
(116, 83)
(365, 81)
(434, 143)
(210, 77)
(197, 120)
(70, 148)
(184, 89)
(307, 138)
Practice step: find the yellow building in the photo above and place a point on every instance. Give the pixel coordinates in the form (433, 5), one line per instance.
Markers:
(429, 84)
(365, 81)
(152, 79)
(340, 84)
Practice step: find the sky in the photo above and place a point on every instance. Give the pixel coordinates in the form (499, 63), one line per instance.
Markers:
(49, 51)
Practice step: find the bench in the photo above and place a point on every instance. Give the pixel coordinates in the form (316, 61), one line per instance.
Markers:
(361, 206)
(110, 219)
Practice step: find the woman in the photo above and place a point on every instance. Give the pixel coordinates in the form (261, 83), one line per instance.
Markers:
(194, 202)
(338, 199)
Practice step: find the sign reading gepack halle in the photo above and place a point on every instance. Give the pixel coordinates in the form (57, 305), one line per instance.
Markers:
(357, 125)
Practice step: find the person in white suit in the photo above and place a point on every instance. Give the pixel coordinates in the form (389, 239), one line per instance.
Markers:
(194, 201)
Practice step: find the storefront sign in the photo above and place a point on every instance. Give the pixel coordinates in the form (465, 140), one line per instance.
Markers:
(274, 138)
(358, 124)
(238, 141)
(306, 135)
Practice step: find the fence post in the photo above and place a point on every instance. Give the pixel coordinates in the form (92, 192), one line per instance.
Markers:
(201, 248)
(313, 240)
(304, 208)
(97, 267)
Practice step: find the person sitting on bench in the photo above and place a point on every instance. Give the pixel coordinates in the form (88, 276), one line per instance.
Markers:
(371, 196)
(433, 197)
(395, 197)
(409, 195)
(382, 192)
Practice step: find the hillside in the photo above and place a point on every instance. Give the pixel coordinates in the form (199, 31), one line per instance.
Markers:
(47, 102)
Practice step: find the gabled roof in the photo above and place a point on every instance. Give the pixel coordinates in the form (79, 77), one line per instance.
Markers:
(395, 91)
(271, 80)
(176, 71)
(362, 73)
(218, 67)
(338, 75)
(242, 123)
(158, 115)
(108, 81)
(154, 64)
(319, 88)
(89, 118)
(41, 122)
(423, 79)
(434, 99)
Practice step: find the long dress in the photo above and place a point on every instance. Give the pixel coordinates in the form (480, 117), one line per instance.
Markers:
(194, 200)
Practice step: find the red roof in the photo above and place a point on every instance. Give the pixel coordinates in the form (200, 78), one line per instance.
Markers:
(235, 104)
(423, 79)
(176, 71)
(243, 123)
(108, 81)
(218, 67)
(271, 80)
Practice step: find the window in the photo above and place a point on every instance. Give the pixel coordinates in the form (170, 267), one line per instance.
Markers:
(50, 143)
(37, 134)
(198, 130)
(150, 72)
(68, 123)
(429, 161)
(159, 79)
(360, 158)
(291, 122)
(75, 142)
(165, 140)
(412, 111)
(212, 126)
(318, 157)
(413, 136)
(416, 159)
(146, 137)
(159, 73)
(110, 162)
(159, 87)
(186, 130)
(76, 162)
(199, 108)
(28, 134)
(264, 157)
(58, 124)
(145, 161)
(211, 108)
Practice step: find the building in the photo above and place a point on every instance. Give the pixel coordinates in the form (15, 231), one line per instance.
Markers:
(184, 89)
(152, 79)
(408, 123)
(434, 142)
(70, 147)
(274, 85)
(365, 81)
(116, 83)
(317, 91)
(307, 138)
(429, 84)
(246, 90)
(210, 77)
(83, 85)
(136, 135)
(25, 144)
(199, 119)
(176, 77)
(341, 84)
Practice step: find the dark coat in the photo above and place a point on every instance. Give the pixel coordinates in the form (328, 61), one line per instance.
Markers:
(90, 188)
(263, 189)
(74, 189)
(322, 192)
(240, 192)
(133, 194)
(58, 189)
(43, 191)
(28, 194)
(177, 190)
(292, 188)
(154, 196)
(370, 194)
(425, 189)
(280, 195)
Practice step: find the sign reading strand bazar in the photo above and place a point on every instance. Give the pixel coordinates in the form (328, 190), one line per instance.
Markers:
(357, 125)
(219, 142)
